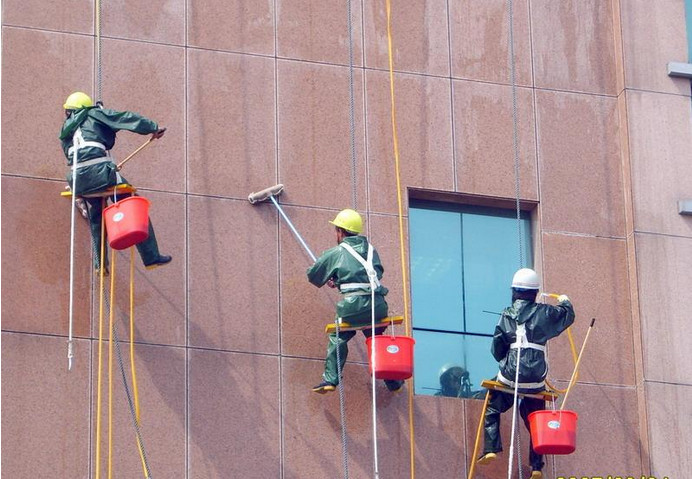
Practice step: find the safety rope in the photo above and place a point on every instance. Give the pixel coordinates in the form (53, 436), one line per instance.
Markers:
(100, 345)
(135, 389)
(98, 49)
(372, 275)
(517, 191)
(514, 411)
(70, 345)
(354, 202)
(402, 249)
(134, 408)
(515, 131)
(110, 367)
(342, 402)
(352, 115)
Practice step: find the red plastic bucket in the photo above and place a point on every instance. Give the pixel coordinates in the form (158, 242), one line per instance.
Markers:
(394, 356)
(127, 222)
(553, 432)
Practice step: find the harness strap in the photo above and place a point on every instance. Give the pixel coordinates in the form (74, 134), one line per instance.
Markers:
(94, 161)
(345, 287)
(78, 142)
(523, 342)
(539, 347)
(510, 383)
(367, 264)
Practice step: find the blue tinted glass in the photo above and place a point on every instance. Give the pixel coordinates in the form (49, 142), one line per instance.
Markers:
(462, 262)
(491, 256)
(436, 269)
(435, 351)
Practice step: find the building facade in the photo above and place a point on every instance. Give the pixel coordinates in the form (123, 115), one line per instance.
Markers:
(230, 335)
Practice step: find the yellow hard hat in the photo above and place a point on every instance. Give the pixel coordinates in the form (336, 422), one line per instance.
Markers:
(78, 100)
(349, 220)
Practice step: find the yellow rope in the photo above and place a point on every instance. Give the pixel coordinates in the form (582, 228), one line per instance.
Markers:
(100, 350)
(132, 333)
(395, 140)
(135, 389)
(110, 368)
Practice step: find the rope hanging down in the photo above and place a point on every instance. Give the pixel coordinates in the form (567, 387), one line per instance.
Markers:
(404, 279)
(352, 115)
(520, 239)
(354, 201)
(113, 336)
(515, 131)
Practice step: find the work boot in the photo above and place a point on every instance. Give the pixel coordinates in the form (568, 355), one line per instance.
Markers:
(160, 261)
(486, 458)
(536, 475)
(394, 385)
(324, 387)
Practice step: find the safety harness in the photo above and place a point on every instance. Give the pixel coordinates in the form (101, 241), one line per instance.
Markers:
(522, 343)
(360, 289)
(78, 142)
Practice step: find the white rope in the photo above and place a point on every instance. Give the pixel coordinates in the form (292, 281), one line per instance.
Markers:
(70, 346)
(372, 275)
(514, 410)
(342, 403)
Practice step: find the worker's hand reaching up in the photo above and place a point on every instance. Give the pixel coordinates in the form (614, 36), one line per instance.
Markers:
(562, 298)
(158, 134)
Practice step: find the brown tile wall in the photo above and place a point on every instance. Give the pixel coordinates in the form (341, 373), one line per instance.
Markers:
(229, 336)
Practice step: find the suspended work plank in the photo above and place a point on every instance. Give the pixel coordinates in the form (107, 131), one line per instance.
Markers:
(331, 328)
(118, 190)
(498, 386)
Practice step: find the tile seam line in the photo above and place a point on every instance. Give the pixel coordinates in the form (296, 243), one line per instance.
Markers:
(667, 235)
(92, 35)
(583, 235)
(669, 383)
(667, 93)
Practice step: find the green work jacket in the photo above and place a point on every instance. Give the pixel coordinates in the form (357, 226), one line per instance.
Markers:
(339, 265)
(542, 322)
(98, 125)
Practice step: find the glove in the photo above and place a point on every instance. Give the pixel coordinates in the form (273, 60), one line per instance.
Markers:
(158, 134)
(563, 299)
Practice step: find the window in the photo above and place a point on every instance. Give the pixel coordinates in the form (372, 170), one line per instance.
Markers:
(462, 262)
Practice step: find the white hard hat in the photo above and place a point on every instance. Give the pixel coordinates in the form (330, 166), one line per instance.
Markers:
(525, 278)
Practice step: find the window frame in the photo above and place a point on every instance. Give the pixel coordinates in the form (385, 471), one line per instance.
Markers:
(456, 202)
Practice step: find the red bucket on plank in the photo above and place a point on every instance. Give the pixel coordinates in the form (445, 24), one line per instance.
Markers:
(553, 432)
(394, 356)
(127, 222)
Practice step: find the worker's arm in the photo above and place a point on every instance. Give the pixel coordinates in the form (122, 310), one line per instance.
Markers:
(125, 120)
(500, 345)
(323, 269)
(560, 317)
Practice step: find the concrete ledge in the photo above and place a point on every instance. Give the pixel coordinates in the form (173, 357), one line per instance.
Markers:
(680, 70)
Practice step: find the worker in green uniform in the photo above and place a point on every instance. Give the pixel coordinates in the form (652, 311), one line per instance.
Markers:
(88, 134)
(350, 266)
(527, 325)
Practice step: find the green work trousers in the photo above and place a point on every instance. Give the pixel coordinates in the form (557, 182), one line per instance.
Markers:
(148, 249)
(331, 374)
